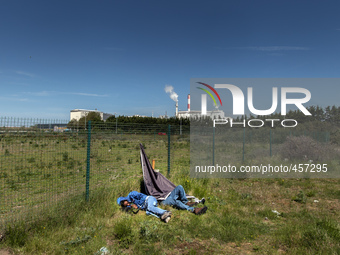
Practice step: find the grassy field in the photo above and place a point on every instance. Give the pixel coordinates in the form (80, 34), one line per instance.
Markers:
(245, 216)
(39, 170)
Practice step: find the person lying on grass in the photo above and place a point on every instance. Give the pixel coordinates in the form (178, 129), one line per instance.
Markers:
(140, 201)
(177, 198)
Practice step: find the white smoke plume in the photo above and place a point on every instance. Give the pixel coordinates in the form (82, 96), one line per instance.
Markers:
(170, 90)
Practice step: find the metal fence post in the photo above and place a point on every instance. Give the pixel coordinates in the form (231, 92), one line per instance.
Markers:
(169, 136)
(244, 141)
(213, 148)
(270, 141)
(88, 161)
(180, 127)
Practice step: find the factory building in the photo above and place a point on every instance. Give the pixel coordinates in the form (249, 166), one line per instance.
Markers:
(216, 114)
(79, 113)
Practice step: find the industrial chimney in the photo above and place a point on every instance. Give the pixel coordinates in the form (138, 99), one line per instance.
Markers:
(188, 102)
(177, 108)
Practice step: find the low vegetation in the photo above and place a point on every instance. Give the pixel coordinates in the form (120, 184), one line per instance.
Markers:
(245, 216)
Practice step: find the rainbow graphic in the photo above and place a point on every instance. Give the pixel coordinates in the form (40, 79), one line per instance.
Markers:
(209, 93)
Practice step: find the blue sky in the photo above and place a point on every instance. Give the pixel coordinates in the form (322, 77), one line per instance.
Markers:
(118, 56)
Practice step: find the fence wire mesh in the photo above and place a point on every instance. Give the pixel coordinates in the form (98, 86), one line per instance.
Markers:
(43, 163)
(221, 146)
(46, 163)
(39, 167)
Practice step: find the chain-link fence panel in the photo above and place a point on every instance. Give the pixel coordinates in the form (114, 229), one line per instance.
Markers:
(44, 163)
(225, 152)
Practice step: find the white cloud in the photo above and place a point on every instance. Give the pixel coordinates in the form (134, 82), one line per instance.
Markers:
(87, 94)
(15, 99)
(19, 83)
(269, 48)
(53, 93)
(278, 48)
(26, 74)
(42, 93)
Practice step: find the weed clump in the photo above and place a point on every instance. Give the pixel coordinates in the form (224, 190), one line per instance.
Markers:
(300, 198)
(123, 232)
(7, 153)
(16, 236)
(149, 231)
(65, 156)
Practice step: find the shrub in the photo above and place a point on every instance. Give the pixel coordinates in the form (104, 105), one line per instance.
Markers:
(335, 137)
(123, 232)
(16, 236)
(303, 147)
(65, 156)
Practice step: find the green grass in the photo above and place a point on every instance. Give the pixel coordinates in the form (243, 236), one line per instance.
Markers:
(240, 218)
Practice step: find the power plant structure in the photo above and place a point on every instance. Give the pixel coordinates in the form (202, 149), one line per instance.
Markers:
(79, 113)
(176, 108)
(215, 114)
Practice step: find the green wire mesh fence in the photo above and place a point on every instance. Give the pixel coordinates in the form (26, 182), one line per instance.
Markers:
(44, 163)
(221, 146)
(39, 165)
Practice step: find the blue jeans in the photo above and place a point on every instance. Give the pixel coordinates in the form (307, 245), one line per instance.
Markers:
(178, 199)
(151, 207)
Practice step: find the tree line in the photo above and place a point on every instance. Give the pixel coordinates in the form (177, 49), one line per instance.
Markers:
(129, 122)
(329, 114)
(322, 119)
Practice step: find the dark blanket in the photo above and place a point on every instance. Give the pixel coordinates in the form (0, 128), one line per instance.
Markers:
(156, 184)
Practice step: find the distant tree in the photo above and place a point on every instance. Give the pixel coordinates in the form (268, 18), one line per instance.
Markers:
(148, 120)
(94, 117)
(111, 119)
(73, 124)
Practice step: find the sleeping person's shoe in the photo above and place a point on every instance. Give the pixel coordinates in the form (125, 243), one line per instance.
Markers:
(166, 215)
(199, 211)
(191, 203)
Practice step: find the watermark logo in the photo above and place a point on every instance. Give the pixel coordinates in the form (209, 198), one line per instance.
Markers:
(252, 124)
(238, 99)
(204, 97)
